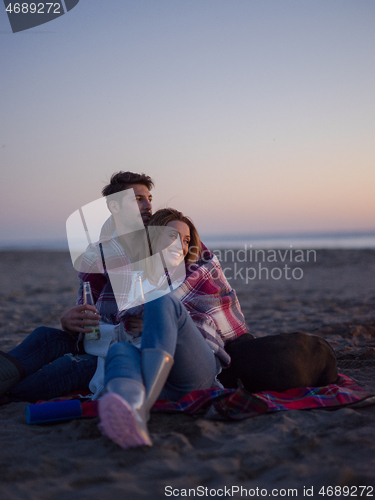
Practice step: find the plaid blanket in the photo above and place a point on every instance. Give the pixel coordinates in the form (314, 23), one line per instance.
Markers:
(237, 404)
(213, 305)
(210, 300)
(108, 254)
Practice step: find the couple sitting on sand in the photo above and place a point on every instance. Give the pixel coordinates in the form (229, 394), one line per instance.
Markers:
(176, 332)
(165, 347)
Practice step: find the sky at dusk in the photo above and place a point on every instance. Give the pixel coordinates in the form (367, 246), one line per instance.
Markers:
(252, 116)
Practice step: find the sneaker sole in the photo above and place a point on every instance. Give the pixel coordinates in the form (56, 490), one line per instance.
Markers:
(119, 422)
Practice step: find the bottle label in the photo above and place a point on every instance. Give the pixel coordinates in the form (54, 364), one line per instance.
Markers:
(94, 335)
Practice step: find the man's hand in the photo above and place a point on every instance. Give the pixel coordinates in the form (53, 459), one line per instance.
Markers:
(134, 324)
(75, 319)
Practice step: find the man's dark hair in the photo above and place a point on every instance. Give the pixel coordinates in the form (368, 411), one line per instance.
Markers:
(123, 180)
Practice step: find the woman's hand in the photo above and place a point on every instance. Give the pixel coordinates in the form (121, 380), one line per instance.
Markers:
(75, 318)
(134, 324)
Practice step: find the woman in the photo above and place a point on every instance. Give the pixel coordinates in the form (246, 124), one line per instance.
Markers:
(183, 332)
(51, 363)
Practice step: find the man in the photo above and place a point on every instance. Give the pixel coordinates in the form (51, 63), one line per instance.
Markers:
(50, 362)
(76, 319)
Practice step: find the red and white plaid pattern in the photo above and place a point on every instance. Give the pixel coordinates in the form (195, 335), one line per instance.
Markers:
(210, 300)
(213, 305)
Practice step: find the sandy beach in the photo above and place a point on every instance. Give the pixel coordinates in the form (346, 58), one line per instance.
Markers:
(332, 295)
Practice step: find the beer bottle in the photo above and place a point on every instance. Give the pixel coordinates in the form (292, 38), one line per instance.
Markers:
(87, 299)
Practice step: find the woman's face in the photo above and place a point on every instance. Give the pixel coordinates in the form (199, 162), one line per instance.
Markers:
(174, 242)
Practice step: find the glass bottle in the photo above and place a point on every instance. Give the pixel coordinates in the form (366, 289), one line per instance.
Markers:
(87, 299)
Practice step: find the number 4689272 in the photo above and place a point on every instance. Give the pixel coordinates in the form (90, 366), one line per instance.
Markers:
(347, 491)
(34, 8)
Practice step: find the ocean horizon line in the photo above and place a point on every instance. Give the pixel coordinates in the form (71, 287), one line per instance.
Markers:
(316, 240)
(312, 240)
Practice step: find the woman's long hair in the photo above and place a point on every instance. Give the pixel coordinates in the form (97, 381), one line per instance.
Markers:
(162, 218)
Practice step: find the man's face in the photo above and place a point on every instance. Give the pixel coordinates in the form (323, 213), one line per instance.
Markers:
(144, 200)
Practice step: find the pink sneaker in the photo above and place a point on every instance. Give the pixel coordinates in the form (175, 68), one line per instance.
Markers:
(121, 422)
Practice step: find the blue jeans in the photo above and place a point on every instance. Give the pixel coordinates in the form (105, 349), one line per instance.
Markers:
(52, 364)
(168, 326)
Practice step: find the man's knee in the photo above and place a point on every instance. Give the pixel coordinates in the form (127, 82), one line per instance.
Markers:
(42, 330)
(48, 332)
